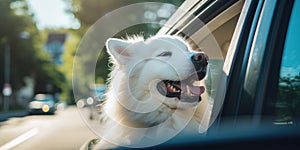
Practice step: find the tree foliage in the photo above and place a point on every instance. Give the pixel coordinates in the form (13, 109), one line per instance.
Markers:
(289, 98)
(71, 45)
(89, 11)
(28, 58)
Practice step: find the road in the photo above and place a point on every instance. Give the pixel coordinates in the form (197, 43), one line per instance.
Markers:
(65, 130)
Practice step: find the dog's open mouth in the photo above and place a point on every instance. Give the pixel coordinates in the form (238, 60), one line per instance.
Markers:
(184, 90)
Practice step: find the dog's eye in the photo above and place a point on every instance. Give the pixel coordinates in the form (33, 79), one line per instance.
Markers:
(163, 54)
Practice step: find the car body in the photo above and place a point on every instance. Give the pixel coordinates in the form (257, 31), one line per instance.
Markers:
(255, 71)
(42, 104)
(254, 77)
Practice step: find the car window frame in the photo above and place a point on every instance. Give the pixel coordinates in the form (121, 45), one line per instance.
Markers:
(210, 10)
(232, 68)
(188, 23)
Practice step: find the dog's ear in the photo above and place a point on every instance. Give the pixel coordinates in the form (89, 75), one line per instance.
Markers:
(117, 48)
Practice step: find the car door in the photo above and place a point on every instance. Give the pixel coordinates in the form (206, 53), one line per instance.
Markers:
(258, 84)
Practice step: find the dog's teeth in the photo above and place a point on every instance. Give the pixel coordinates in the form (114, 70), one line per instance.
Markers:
(173, 89)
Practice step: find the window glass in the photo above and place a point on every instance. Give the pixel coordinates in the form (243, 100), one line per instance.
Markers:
(287, 107)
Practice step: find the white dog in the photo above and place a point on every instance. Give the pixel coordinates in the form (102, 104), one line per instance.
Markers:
(153, 93)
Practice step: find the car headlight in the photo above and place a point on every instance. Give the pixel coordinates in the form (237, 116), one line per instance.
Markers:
(45, 108)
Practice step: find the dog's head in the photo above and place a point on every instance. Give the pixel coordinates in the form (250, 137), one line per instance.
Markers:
(163, 67)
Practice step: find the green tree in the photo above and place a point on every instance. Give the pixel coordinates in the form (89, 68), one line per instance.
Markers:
(89, 11)
(71, 45)
(28, 58)
(289, 98)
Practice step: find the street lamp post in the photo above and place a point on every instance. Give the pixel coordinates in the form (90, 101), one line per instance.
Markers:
(7, 91)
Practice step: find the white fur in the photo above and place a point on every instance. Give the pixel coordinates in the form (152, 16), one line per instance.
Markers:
(134, 110)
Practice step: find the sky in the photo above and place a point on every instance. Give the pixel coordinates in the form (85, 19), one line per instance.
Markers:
(52, 14)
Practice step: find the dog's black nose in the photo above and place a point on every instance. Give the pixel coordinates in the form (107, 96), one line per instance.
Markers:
(200, 62)
(200, 59)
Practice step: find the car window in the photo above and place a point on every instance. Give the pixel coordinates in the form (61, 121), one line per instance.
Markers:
(287, 105)
(215, 45)
(208, 26)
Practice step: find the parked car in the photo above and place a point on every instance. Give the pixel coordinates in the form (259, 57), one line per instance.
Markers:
(255, 72)
(42, 104)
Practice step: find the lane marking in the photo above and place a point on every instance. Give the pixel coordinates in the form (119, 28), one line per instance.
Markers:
(20, 139)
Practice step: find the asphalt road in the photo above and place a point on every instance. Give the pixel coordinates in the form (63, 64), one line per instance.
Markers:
(65, 130)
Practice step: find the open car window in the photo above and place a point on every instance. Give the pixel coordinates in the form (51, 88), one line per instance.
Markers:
(208, 26)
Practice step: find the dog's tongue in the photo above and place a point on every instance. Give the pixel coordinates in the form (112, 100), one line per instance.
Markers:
(196, 90)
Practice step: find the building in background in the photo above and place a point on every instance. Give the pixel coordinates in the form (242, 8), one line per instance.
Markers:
(55, 46)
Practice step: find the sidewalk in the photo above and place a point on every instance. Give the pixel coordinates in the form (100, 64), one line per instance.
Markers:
(5, 115)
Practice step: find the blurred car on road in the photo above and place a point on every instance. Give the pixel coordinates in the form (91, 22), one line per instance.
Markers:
(42, 104)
